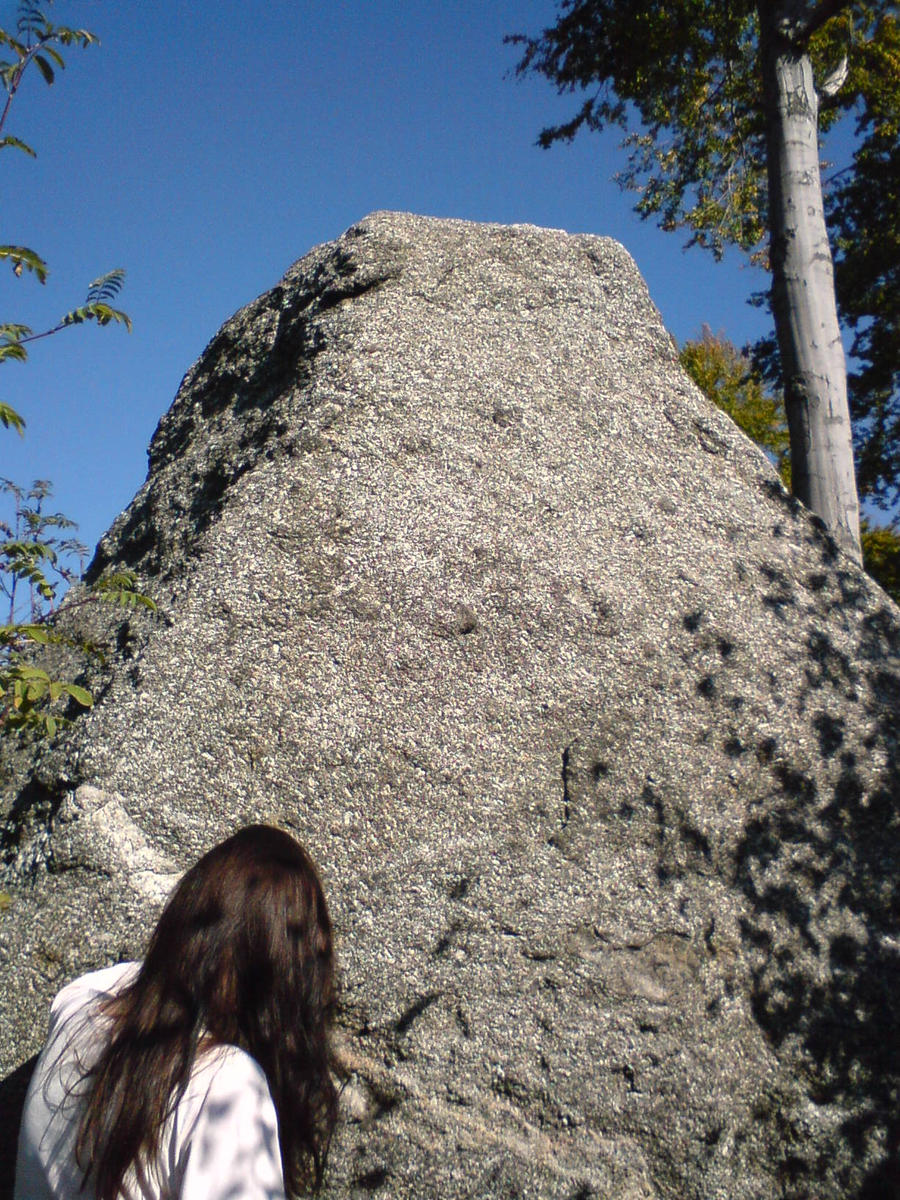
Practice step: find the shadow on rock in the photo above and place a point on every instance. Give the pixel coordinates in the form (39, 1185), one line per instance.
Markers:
(12, 1100)
(819, 865)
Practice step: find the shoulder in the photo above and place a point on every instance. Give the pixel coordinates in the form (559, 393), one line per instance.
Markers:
(227, 1100)
(97, 985)
(227, 1062)
(226, 1073)
(224, 1131)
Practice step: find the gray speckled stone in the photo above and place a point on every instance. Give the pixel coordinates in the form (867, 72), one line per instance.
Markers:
(591, 728)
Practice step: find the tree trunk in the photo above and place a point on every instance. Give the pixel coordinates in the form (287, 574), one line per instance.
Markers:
(803, 300)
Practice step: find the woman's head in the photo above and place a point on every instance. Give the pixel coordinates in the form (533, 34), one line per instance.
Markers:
(246, 926)
(242, 955)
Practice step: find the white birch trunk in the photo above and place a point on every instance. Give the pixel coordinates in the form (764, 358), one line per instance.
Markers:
(803, 299)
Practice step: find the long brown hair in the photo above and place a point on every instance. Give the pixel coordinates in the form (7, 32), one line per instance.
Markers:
(242, 956)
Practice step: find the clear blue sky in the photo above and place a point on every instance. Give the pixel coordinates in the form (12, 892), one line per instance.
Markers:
(206, 146)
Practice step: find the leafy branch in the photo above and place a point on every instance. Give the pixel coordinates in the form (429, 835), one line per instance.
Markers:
(26, 694)
(36, 546)
(33, 553)
(36, 41)
(96, 307)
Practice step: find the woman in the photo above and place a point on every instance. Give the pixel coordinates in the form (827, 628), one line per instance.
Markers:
(203, 1072)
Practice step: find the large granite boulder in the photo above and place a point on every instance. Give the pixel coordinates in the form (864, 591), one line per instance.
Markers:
(592, 729)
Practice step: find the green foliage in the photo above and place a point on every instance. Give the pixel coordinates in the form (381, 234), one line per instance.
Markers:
(729, 379)
(96, 306)
(11, 419)
(36, 41)
(34, 543)
(864, 210)
(18, 143)
(11, 338)
(681, 79)
(30, 563)
(881, 555)
(27, 697)
(37, 551)
(120, 587)
(24, 259)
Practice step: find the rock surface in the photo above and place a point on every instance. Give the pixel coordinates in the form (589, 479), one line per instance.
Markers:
(592, 730)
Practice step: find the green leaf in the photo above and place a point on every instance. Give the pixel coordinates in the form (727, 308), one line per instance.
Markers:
(13, 332)
(103, 314)
(35, 633)
(11, 338)
(30, 19)
(14, 44)
(21, 257)
(26, 552)
(97, 305)
(55, 55)
(115, 581)
(31, 674)
(11, 419)
(5, 901)
(728, 378)
(75, 37)
(18, 143)
(44, 634)
(881, 556)
(106, 287)
(120, 588)
(81, 695)
(45, 69)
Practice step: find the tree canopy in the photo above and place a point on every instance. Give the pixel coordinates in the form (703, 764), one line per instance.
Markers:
(864, 210)
(729, 378)
(692, 84)
(681, 79)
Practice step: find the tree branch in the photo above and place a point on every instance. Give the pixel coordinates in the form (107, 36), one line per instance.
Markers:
(823, 11)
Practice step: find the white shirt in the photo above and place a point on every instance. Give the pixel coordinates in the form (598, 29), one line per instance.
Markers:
(220, 1142)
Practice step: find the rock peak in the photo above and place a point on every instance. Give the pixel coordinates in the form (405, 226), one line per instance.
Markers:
(592, 729)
